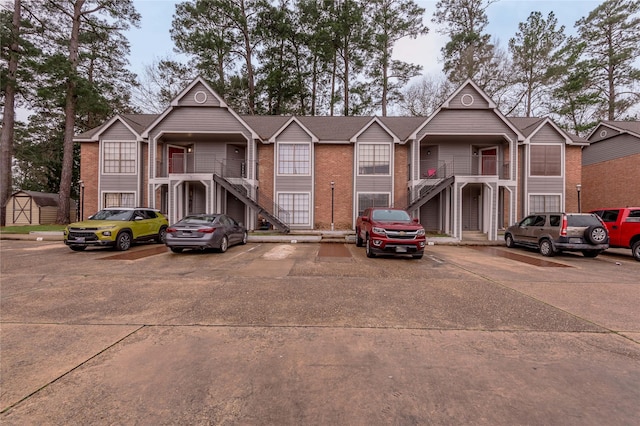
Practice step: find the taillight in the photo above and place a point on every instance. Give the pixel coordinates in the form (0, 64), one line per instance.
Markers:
(563, 230)
(171, 230)
(206, 230)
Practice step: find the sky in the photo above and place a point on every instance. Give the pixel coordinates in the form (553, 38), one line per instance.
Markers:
(152, 41)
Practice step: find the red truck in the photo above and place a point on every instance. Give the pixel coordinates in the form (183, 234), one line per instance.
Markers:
(392, 231)
(623, 224)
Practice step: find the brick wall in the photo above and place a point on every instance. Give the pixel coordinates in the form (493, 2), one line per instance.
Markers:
(89, 167)
(401, 175)
(265, 171)
(573, 176)
(611, 183)
(333, 163)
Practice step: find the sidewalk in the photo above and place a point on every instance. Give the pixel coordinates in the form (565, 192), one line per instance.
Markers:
(347, 237)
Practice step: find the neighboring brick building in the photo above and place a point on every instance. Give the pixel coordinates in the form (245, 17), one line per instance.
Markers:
(466, 167)
(611, 166)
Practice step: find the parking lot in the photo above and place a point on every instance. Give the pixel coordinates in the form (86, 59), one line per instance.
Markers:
(317, 334)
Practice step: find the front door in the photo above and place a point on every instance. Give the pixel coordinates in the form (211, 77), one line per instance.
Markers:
(489, 162)
(471, 195)
(176, 159)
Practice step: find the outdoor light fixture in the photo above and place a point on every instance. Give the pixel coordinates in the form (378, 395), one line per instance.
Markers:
(333, 185)
(579, 189)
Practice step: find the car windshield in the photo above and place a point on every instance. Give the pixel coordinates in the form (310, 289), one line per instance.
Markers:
(112, 215)
(391, 215)
(198, 220)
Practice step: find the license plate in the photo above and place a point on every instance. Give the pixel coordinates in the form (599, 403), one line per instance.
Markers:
(401, 249)
(79, 240)
(575, 240)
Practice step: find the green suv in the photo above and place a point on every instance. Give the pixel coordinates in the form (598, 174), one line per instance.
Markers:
(117, 227)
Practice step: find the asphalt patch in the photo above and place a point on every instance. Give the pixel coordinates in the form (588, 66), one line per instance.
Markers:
(520, 258)
(333, 250)
(138, 254)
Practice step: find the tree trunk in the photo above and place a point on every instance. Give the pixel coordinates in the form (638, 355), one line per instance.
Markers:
(9, 116)
(70, 118)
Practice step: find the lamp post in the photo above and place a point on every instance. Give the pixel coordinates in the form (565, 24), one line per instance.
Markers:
(333, 184)
(81, 200)
(579, 188)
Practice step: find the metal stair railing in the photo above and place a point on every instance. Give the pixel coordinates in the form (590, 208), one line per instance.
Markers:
(277, 216)
(432, 186)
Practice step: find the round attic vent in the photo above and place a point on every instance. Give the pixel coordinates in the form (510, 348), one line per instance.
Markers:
(200, 97)
(467, 99)
(603, 133)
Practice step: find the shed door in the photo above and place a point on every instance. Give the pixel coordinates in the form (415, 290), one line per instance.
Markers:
(22, 209)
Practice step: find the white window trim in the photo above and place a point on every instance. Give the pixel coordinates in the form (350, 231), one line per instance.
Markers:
(102, 157)
(357, 200)
(115, 191)
(391, 159)
(562, 165)
(532, 194)
(277, 159)
(278, 193)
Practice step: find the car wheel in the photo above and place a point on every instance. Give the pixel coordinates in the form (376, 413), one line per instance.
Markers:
(635, 250)
(123, 241)
(418, 255)
(368, 248)
(224, 244)
(245, 237)
(162, 235)
(176, 249)
(508, 239)
(77, 248)
(546, 248)
(596, 234)
(590, 253)
(359, 241)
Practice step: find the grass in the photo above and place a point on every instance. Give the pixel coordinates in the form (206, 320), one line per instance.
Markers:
(29, 228)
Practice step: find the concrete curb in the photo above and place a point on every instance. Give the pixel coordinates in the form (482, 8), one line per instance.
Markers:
(292, 238)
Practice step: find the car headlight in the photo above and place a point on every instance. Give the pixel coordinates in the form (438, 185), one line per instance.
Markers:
(105, 230)
(377, 230)
(420, 233)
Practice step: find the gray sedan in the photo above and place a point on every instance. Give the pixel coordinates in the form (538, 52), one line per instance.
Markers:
(203, 231)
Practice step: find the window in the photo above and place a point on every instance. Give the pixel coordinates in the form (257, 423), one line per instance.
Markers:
(544, 203)
(374, 159)
(119, 157)
(297, 207)
(546, 160)
(294, 159)
(372, 200)
(119, 199)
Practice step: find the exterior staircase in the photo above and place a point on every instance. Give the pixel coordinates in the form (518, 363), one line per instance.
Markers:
(241, 193)
(427, 192)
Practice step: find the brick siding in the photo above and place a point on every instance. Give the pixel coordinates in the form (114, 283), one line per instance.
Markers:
(612, 183)
(334, 163)
(89, 168)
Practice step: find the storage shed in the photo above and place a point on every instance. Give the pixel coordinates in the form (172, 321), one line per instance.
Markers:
(34, 208)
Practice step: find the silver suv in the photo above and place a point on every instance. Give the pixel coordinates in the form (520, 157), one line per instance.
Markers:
(552, 233)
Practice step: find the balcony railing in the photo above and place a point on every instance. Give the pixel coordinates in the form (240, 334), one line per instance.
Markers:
(190, 163)
(485, 165)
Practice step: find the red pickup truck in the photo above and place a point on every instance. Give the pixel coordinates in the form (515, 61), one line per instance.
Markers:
(389, 230)
(623, 224)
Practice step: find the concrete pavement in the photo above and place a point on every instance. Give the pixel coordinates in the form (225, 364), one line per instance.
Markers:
(284, 334)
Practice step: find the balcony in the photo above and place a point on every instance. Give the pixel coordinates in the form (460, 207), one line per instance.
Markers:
(190, 163)
(485, 165)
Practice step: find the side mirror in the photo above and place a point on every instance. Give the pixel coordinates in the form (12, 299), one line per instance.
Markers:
(416, 220)
(365, 219)
(138, 218)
